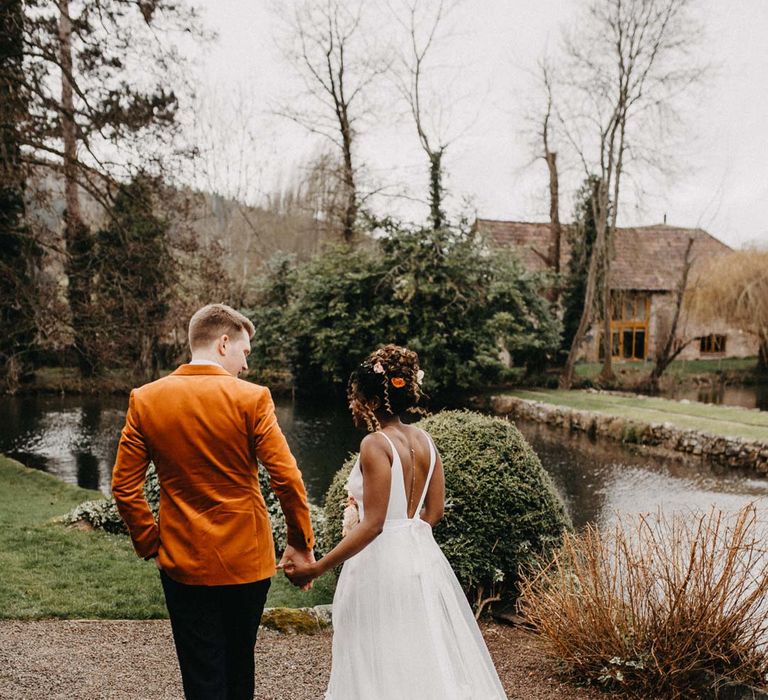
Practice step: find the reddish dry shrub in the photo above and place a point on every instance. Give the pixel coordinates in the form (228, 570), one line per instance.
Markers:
(658, 604)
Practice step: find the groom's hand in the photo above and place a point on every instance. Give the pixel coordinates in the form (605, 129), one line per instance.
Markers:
(303, 556)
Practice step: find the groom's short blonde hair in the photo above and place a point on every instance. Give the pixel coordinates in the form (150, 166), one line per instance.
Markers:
(213, 321)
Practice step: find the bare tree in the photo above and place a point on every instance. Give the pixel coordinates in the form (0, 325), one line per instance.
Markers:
(550, 157)
(543, 128)
(674, 343)
(327, 48)
(421, 22)
(593, 274)
(627, 65)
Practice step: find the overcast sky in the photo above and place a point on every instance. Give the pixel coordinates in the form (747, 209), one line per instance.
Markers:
(491, 48)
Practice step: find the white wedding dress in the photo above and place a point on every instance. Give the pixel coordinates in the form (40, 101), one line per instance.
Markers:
(403, 629)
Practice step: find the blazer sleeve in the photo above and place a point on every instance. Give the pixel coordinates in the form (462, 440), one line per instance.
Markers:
(272, 451)
(128, 477)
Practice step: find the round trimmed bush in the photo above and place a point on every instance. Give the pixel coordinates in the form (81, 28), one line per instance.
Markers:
(501, 508)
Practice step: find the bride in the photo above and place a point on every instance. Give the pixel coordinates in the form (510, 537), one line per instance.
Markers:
(403, 629)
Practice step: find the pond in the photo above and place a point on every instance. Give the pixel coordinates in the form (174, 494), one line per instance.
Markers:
(75, 439)
(754, 396)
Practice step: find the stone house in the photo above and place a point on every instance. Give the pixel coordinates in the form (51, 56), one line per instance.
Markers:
(645, 272)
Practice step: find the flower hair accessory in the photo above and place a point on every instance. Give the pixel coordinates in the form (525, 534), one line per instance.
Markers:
(398, 382)
(420, 377)
(378, 368)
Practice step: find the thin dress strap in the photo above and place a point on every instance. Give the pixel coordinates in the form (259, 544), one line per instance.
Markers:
(432, 461)
(391, 444)
(397, 508)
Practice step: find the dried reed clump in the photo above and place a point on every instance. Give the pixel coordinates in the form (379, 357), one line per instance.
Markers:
(658, 604)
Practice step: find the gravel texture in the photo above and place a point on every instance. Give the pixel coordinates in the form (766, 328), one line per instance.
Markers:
(135, 660)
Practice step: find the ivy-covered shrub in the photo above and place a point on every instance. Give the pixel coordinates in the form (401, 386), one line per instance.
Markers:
(501, 508)
(437, 291)
(103, 514)
(279, 532)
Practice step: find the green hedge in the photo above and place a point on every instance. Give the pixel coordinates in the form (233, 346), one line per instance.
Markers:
(501, 506)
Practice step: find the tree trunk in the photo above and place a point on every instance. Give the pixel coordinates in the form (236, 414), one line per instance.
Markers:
(436, 214)
(350, 189)
(68, 126)
(76, 235)
(19, 252)
(554, 213)
(566, 376)
(606, 374)
(672, 345)
(762, 354)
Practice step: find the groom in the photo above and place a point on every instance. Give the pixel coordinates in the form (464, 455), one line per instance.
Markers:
(205, 430)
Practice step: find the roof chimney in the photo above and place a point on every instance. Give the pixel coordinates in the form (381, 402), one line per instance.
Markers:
(665, 217)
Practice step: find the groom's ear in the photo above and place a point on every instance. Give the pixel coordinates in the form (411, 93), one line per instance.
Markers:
(221, 346)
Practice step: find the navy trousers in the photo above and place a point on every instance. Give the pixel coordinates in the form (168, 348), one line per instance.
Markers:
(214, 630)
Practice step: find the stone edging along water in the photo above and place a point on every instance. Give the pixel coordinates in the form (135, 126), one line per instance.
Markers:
(728, 451)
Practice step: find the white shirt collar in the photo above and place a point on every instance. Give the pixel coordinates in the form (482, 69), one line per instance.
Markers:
(203, 362)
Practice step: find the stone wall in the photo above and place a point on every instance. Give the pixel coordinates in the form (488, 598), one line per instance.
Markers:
(730, 451)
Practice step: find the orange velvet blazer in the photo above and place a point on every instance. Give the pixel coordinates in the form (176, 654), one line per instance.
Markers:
(206, 431)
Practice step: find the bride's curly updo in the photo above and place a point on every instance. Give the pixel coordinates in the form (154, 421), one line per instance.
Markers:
(389, 380)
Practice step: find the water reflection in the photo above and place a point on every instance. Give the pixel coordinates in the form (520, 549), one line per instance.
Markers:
(596, 480)
(321, 437)
(75, 438)
(755, 396)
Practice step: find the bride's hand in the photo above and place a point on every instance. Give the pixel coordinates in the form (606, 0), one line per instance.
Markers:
(301, 574)
(299, 557)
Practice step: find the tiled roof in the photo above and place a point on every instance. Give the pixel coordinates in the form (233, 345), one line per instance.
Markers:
(645, 257)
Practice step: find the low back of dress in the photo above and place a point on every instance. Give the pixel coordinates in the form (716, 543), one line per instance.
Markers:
(397, 510)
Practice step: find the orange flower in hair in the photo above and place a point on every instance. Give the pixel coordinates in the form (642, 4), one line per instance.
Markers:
(398, 382)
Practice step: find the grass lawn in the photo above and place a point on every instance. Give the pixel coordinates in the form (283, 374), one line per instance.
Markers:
(49, 570)
(716, 420)
(679, 368)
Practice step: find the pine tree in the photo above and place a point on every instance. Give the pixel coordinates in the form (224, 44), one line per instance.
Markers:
(135, 276)
(95, 118)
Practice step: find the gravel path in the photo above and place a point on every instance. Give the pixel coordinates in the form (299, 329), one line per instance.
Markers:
(135, 660)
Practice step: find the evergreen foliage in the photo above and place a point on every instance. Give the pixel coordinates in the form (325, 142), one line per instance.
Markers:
(75, 105)
(136, 272)
(581, 238)
(439, 292)
(112, 105)
(19, 251)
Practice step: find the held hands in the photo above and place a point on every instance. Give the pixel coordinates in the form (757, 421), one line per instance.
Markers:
(297, 563)
(301, 573)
